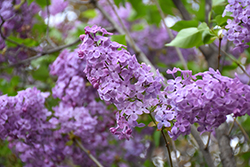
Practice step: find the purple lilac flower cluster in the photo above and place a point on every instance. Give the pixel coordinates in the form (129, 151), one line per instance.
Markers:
(119, 79)
(80, 113)
(239, 26)
(17, 16)
(71, 85)
(24, 116)
(206, 101)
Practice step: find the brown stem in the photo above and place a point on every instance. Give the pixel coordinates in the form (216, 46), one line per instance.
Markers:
(242, 130)
(219, 54)
(88, 153)
(165, 139)
(42, 54)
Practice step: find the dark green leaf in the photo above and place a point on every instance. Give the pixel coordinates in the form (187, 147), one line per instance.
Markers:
(42, 3)
(221, 20)
(29, 1)
(157, 135)
(206, 36)
(119, 39)
(167, 6)
(184, 24)
(153, 16)
(117, 3)
(139, 7)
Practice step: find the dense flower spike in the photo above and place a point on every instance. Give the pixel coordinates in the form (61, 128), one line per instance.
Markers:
(206, 101)
(120, 79)
(71, 86)
(24, 116)
(238, 28)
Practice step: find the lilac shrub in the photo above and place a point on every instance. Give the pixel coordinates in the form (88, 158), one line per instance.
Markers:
(204, 98)
(238, 27)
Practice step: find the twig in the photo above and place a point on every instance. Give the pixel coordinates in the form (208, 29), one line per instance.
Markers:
(80, 2)
(166, 141)
(234, 60)
(9, 40)
(171, 36)
(206, 146)
(205, 152)
(88, 153)
(48, 24)
(141, 56)
(219, 55)
(42, 54)
(242, 130)
(228, 133)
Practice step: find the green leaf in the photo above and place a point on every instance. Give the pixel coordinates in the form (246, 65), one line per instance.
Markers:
(206, 36)
(218, 3)
(167, 6)
(27, 42)
(203, 26)
(121, 39)
(42, 3)
(55, 33)
(137, 27)
(139, 7)
(201, 12)
(153, 16)
(156, 136)
(117, 3)
(90, 13)
(187, 38)
(184, 24)
(29, 1)
(221, 20)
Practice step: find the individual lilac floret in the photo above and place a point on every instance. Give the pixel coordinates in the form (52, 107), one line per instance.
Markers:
(238, 28)
(118, 77)
(206, 101)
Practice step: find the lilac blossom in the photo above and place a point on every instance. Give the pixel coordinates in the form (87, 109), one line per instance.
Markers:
(238, 27)
(122, 81)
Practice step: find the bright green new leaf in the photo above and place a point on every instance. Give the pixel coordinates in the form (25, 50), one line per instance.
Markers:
(184, 24)
(90, 13)
(121, 39)
(203, 26)
(137, 27)
(218, 2)
(187, 38)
